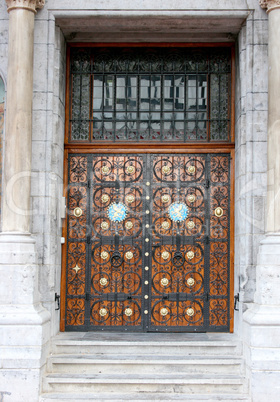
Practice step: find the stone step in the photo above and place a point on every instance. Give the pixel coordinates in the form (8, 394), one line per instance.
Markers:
(157, 383)
(148, 344)
(144, 396)
(141, 364)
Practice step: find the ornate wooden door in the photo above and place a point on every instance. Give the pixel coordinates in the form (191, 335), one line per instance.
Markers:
(148, 242)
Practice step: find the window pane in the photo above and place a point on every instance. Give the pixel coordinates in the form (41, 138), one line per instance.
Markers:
(150, 94)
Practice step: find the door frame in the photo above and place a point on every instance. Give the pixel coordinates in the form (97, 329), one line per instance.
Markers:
(150, 148)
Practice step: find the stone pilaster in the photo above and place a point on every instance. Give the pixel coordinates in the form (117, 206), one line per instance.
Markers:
(24, 323)
(262, 320)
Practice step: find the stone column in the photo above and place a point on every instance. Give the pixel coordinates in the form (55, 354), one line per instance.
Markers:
(24, 323)
(262, 320)
(16, 186)
(273, 138)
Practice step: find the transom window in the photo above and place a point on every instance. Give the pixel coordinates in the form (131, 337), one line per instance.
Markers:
(150, 94)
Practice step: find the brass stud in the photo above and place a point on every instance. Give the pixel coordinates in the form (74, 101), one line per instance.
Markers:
(146, 297)
(190, 255)
(103, 281)
(163, 311)
(146, 282)
(165, 198)
(128, 312)
(190, 312)
(130, 199)
(105, 169)
(146, 268)
(105, 198)
(147, 198)
(148, 183)
(147, 226)
(164, 282)
(146, 312)
(130, 169)
(103, 312)
(147, 212)
(219, 212)
(165, 169)
(190, 224)
(165, 255)
(147, 240)
(129, 255)
(78, 212)
(191, 198)
(128, 225)
(104, 255)
(104, 225)
(147, 254)
(191, 169)
(165, 225)
(190, 281)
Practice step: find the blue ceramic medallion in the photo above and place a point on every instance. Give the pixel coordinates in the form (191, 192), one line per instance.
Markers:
(116, 212)
(178, 212)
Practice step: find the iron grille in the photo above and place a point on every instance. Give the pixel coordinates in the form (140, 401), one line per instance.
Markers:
(149, 94)
(148, 248)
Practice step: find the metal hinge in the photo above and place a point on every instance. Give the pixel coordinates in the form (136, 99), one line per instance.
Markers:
(236, 300)
(57, 299)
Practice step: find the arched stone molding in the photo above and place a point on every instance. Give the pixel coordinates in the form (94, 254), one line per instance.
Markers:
(270, 4)
(30, 5)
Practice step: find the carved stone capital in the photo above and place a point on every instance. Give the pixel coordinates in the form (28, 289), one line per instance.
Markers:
(30, 5)
(269, 4)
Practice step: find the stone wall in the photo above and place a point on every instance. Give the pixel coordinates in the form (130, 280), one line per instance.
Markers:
(2, 111)
(251, 152)
(47, 155)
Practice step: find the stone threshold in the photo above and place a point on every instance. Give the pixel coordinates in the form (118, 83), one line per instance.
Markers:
(145, 337)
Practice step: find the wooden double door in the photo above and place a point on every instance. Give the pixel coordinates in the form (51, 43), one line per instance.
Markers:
(148, 242)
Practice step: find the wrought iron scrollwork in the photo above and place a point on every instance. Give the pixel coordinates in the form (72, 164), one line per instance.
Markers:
(131, 260)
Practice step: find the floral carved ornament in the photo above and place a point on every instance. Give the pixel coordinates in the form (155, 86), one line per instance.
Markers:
(30, 5)
(269, 4)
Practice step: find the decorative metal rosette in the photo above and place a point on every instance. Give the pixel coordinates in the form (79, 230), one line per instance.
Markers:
(128, 225)
(191, 169)
(190, 311)
(103, 281)
(117, 212)
(190, 224)
(163, 311)
(164, 282)
(165, 225)
(178, 212)
(190, 281)
(128, 312)
(130, 169)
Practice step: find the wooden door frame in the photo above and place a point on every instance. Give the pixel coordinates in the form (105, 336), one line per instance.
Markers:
(151, 148)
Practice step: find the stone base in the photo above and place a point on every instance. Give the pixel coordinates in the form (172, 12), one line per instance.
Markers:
(24, 323)
(262, 325)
